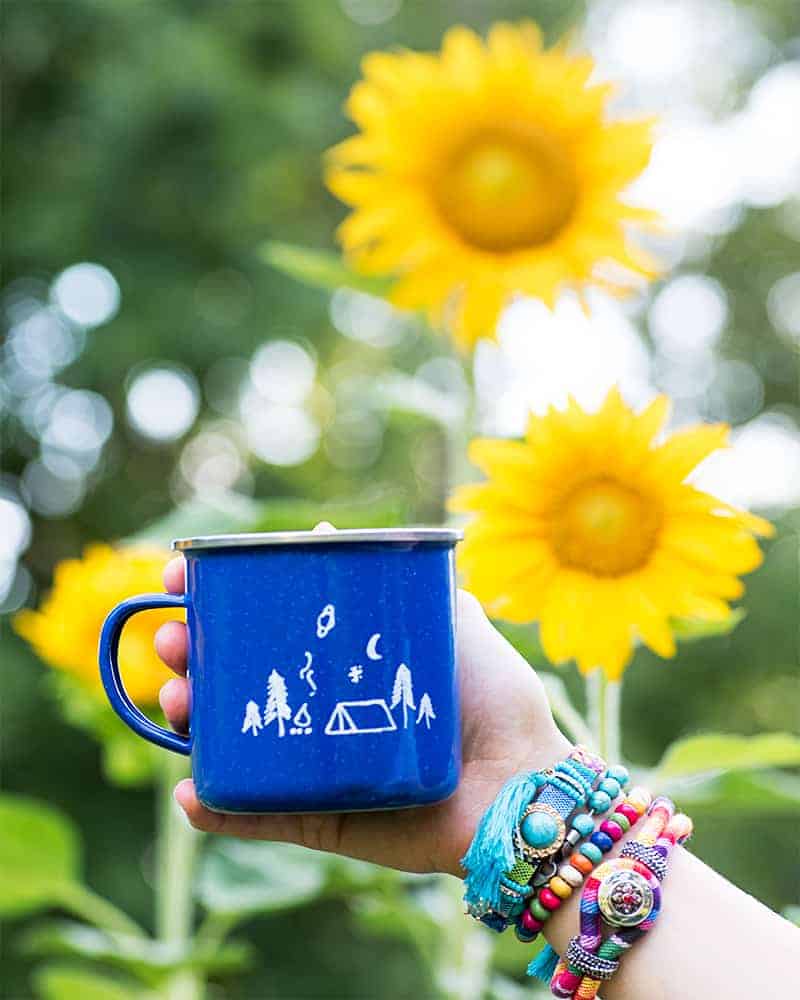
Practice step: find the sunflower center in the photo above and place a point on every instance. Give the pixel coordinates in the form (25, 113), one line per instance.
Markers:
(505, 193)
(605, 528)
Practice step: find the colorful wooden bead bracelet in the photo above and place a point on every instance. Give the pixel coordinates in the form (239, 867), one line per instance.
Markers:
(625, 893)
(571, 872)
(535, 817)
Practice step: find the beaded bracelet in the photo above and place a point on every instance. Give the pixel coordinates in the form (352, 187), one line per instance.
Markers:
(570, 873)
(625, 893)
(526, 827)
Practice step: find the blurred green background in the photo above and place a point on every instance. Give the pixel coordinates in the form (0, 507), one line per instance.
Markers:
(151, 358)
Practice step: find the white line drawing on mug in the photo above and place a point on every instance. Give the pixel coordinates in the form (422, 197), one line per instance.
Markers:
(350, 718)
(403, 692)
(252, 718)
(277, 706)
(372, 647)
(355, 673)
(326, 620)
(301, 723)
(426, 712)
(307, 674)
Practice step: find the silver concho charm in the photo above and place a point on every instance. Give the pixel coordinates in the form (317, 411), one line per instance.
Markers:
(625, 898)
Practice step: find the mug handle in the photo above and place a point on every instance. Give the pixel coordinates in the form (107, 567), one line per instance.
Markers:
(112, 682)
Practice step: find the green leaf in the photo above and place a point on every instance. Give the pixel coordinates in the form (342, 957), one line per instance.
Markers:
(234, 512)
(144, 958)
(691, 629)
(348, 877)
(762, 793)
(284, 514)
(711, 752)
(66, 982)
(39, 855)
(406, 916)
(127, 759)
(502, 988)
(508, 957)
(792, 913)
(238, 877)
(376, 511)
(320, 269)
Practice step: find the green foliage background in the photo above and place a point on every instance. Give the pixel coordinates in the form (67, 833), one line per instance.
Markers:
(168, 140)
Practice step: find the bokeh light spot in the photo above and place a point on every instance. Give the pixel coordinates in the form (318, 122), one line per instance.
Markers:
(366, 318)
(783, 306)
(15, 527)
(688, 315)
(370, 12)
(80, 422)
(281, 435)
(88, 294)
(163, 403)
(283, 372)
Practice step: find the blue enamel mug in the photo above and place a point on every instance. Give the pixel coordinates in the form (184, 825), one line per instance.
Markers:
(321, 667)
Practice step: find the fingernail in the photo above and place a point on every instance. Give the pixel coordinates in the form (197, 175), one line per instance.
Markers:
(183, 792)
(324, 528)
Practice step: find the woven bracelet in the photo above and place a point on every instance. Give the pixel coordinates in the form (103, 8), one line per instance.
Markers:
(625, 894)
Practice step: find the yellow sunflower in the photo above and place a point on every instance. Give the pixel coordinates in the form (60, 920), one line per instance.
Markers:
(65, 631)
(488, 170)
(589, 527)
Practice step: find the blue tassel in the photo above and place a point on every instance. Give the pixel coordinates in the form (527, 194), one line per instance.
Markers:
(544, 965)
(491, 852)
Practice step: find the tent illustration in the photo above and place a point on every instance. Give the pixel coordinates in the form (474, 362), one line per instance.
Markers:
(351, 717)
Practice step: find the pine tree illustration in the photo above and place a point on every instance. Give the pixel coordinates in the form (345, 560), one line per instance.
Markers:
(277, 706)
(252, 718)
(426, 712)
(403, 692)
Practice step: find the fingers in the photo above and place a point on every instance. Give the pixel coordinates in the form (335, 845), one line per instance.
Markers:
(174, 700)
(252, 827)
(409, 839)
(171, 644)
(175, 576)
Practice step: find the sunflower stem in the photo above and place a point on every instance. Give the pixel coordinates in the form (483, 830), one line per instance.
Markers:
(176, 851)
(604, 697)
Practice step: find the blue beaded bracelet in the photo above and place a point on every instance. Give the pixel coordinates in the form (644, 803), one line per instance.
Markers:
(534, 817)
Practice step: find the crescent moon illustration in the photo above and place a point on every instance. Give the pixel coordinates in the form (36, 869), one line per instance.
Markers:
(372, 647)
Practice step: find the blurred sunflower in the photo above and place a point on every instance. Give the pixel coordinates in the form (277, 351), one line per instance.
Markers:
(488, 170)
(589, 527)
(65, 631)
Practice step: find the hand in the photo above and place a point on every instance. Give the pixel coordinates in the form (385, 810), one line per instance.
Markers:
(506, 725)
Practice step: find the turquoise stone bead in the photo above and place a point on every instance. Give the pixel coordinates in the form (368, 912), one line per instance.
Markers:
(610, 786)
(599, 801)
(620, 774)
(583, 823)
(591, 851)
(538, 829)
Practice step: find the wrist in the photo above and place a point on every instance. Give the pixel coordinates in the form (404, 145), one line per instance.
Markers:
(543, 835)
(562, 924)
(546, 749)
(540, 750)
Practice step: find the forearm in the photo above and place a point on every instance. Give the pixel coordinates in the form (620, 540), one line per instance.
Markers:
(710, 940)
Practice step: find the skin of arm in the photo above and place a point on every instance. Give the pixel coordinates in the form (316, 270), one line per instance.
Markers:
(711, 939)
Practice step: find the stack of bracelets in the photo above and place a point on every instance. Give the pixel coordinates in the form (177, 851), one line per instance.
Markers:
(544, 836)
